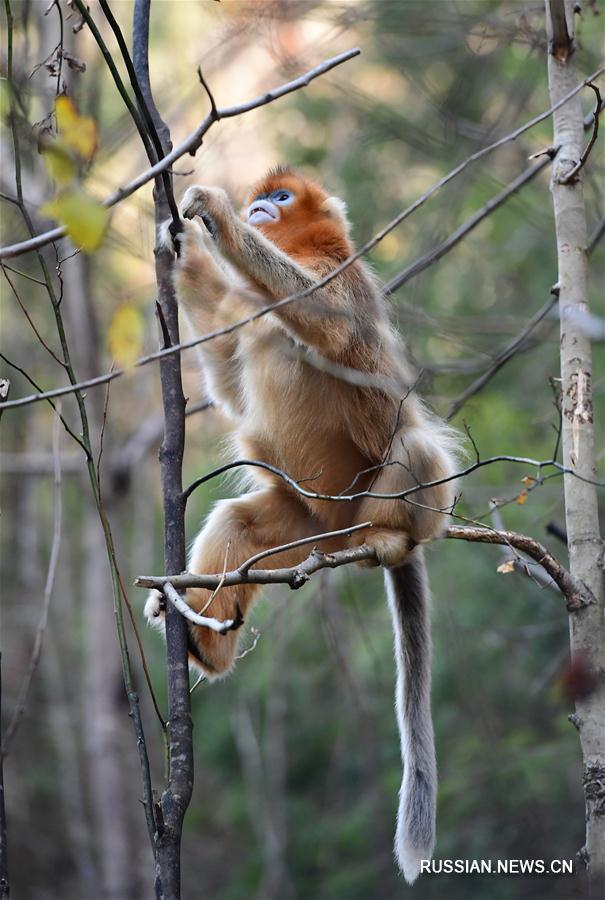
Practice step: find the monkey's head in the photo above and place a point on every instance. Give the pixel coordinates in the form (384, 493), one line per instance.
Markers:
(298, 216)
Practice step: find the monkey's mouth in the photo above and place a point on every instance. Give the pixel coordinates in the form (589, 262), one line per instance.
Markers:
(262, 211)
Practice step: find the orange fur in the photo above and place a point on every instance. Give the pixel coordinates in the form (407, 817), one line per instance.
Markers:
(287, 411)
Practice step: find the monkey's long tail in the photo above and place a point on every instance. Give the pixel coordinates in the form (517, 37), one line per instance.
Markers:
(409, 601)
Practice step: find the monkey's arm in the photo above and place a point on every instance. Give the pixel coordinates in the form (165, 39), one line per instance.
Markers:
(205, 297)
(326, 320)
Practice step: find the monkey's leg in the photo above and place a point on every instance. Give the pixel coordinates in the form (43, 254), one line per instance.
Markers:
(398, 525)
(234, 531)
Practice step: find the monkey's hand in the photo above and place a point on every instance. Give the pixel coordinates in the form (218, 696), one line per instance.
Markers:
(192, 237)
(212, 205)
(201, 276)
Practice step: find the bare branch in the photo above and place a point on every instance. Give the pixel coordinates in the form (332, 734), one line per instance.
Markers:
(436, 253)
(401, 495)
(185, 345)
(596, 236)
(521, 564)
(312, 539)
(146, 115)
(575, 591)
(190, 145)
(188, 613)
(294, 576)
(516, 345)
(572, 174)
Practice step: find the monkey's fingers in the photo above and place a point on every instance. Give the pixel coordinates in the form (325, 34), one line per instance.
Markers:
(194, 202)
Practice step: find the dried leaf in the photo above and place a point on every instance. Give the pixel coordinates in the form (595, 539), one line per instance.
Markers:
(522, 498)
(506, 567)
(125, 335)
(78, 65)
(77, 132)
(528, 480)
(83, 216)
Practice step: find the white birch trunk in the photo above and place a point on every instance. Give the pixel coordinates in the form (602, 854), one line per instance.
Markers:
(587, 631)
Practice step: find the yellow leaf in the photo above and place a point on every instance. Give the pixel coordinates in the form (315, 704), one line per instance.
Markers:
(83, 216)
(77, 132)
(522, 498)
(506, 567)
(59, 164)
(126, 334)
(5, 100)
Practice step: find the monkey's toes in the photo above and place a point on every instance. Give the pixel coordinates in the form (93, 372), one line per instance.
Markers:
(154, 606)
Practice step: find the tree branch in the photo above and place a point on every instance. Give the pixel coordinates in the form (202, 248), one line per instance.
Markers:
(577, 594)
(516, 345)
(190, 145)
(185, 345)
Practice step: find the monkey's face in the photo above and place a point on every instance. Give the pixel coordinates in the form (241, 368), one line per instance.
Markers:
(298, 216)
(283, 202)
(267, 207)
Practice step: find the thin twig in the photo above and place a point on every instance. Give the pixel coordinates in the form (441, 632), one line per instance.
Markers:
(516, 345)
(175, 798)
(294, 576)
(572, 174)
(185, 345)
(595, 237)
(54, 406)
(31, 322)
(146, 115)
(312, 539)
(190, 145)
(400, 495)
(576, 593)
(521, 564)
(436, 253)
(86, 444)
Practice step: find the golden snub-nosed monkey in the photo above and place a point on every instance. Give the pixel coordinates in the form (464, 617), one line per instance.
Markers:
(287, 410)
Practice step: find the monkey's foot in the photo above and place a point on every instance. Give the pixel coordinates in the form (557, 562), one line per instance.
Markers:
(392, 546)
(211, 651)
(154, 606)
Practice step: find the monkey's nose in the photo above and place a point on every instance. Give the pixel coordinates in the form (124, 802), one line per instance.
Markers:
(261, 211)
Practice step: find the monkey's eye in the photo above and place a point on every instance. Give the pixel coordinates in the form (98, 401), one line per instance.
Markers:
(282, 197)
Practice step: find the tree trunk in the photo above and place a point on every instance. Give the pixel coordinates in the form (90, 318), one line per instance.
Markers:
(587, 631)
(176, 797)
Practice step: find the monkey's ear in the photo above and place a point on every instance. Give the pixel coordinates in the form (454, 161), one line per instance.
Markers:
(337, 209)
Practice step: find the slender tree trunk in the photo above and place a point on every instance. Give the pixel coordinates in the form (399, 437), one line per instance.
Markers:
(587, 630)
(177, 795)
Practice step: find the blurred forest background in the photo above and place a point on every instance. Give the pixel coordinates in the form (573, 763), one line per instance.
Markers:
(297, 755)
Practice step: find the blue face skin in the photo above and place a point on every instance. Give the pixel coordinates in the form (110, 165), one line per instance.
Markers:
(266, 207)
